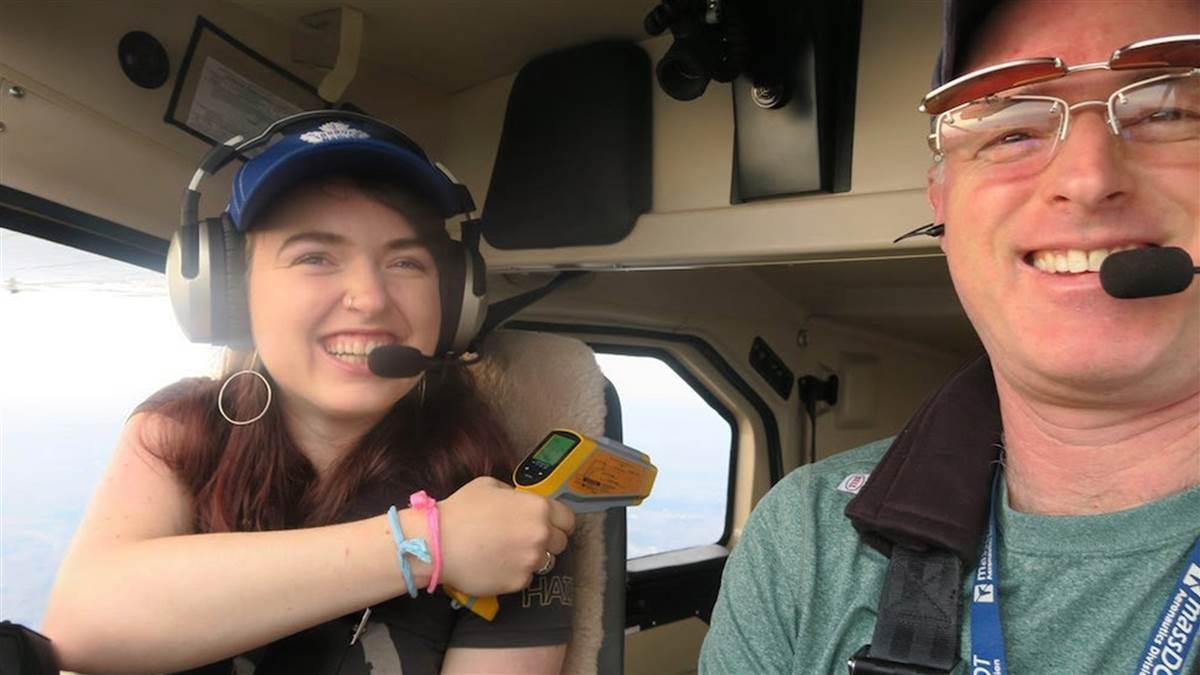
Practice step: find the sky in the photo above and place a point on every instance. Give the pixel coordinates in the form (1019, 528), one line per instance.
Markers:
(84, 339)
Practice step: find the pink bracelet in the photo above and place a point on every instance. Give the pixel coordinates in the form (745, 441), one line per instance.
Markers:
(423, 502)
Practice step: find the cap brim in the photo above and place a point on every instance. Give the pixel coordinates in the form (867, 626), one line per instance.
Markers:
(354, 157)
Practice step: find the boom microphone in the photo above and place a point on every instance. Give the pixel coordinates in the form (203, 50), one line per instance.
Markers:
(399, 361)
(1147, 272)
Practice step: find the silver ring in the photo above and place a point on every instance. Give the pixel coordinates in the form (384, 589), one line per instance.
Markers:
(545, 569)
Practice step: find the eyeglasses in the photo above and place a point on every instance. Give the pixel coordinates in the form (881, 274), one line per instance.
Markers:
(1158, 117)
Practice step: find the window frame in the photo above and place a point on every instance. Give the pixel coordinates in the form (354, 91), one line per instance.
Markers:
(619, 349)
(667, 587)
(38, 217)
(596, 334)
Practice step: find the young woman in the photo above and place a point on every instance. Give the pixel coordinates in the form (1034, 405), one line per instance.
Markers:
(246, 517)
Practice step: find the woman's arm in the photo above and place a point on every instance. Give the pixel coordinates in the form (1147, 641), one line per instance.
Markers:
(545, 660)
(138, 592)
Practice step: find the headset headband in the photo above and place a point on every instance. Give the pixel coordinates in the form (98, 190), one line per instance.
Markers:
(221, 155)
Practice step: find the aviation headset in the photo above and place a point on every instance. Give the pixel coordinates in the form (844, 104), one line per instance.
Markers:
(206, 258)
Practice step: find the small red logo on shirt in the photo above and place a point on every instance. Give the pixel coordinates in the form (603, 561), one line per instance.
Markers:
(853, 483)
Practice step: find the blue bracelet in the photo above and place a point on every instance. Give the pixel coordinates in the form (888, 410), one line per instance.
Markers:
(415, 547)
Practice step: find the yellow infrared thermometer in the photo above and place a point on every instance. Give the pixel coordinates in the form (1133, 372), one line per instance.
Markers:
(586, 474)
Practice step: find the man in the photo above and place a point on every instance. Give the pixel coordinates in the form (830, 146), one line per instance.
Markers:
(1091, 403)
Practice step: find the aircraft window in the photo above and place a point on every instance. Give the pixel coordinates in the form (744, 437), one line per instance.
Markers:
(688, 437)
(85, 338)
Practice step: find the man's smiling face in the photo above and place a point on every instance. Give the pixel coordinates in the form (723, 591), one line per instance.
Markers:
(1057, 331)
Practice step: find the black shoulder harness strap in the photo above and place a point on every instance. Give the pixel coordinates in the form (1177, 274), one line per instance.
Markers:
(502, 311)
(926, 506)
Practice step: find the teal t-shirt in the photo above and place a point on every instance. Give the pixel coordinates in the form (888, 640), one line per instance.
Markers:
(1078, 594)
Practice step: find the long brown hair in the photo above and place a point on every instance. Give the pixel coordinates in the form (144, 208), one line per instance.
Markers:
(254, 477)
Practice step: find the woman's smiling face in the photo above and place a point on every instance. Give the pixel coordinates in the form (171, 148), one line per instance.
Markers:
(334, 272)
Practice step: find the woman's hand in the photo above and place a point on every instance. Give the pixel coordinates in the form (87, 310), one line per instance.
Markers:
(494, 538)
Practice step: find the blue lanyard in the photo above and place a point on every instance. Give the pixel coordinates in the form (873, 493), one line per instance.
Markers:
(987, 637)
(1166, 649)
(1172, 638)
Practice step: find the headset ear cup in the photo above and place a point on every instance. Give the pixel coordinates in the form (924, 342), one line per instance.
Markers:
(232, 323)
(451, 282)
(195, 274)
(461, 275)
(184, 286)
(474, 299)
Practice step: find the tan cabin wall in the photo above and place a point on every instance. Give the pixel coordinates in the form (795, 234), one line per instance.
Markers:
(85, 136)
(728, 308)
(691, 222)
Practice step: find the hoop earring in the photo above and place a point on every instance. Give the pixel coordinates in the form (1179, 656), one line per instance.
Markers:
(221, 394)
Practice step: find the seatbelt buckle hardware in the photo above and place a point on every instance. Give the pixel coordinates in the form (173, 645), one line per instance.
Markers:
(861, 664)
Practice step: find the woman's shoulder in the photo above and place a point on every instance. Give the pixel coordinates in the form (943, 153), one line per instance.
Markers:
(168, 418)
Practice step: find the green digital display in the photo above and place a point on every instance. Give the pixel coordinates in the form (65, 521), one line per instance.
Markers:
(555, 448)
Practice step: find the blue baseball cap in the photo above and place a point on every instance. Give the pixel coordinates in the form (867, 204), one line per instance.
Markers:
(961, 20)
(353, 146)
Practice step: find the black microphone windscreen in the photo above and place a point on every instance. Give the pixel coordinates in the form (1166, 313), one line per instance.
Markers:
(1146, 272)
(398, 361)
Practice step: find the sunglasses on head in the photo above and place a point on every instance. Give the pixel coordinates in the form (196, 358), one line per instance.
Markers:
(1173, 51)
